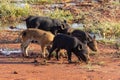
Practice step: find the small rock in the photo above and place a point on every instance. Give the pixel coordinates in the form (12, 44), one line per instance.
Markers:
(15, 72)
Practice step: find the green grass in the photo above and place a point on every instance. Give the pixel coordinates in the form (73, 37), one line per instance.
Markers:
(107, 29)
(61, 14)
(100, 63)
(10, 12)
(39, 1)
(117, 45)
(106, 41)
(89, 66)
(116, 3)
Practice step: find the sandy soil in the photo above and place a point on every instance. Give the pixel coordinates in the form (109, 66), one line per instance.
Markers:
(105, 65)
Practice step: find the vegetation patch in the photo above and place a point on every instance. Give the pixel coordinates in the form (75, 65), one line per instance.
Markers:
(107, 29)
(11, 12)
(61, 14)
(39, 1)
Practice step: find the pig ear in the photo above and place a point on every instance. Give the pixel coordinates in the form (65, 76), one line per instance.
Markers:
(62, 26)
(94, 37)
(65, 21)
(79, 47)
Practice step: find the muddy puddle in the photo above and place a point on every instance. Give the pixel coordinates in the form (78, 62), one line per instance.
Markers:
(19, 26)
(8, 51)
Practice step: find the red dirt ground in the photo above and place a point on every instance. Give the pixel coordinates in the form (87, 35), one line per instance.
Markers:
(105, 65)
